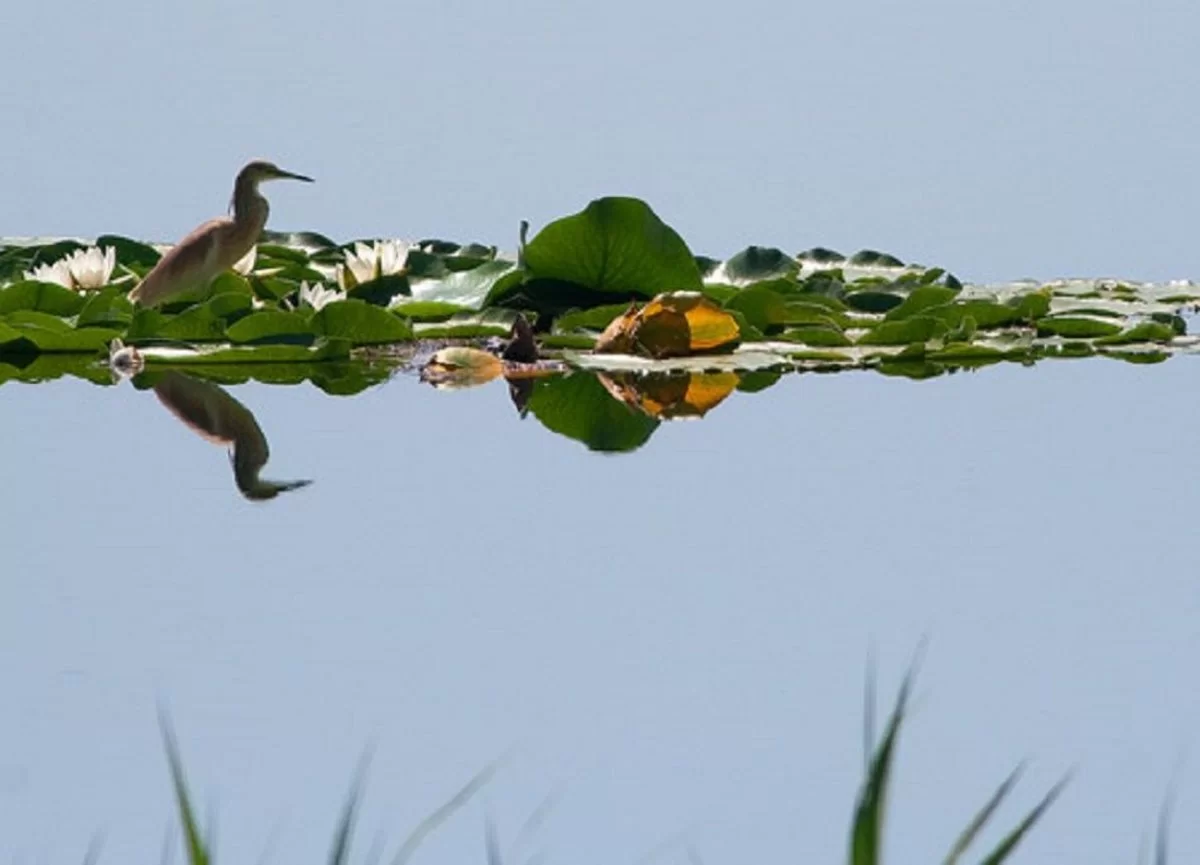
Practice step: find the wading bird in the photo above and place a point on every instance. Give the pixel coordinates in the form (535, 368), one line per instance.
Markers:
(215, 416)
(213, 248)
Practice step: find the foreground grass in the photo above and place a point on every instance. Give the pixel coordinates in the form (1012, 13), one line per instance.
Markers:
(866, 831)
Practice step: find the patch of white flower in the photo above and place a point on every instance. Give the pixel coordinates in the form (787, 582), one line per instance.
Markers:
(367, 262)
(317, 295)
(59, 272)
(245, 264)
(82, 270)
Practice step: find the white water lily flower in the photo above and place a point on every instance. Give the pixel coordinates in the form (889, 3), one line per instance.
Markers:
(382, 258)
(59, 272)
(82, 270)
(245, 264)
(317, 295)
(92, 267)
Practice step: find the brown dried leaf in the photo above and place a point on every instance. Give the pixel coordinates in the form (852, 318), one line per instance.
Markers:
(461, 366)
(677, 324)
(670, 395)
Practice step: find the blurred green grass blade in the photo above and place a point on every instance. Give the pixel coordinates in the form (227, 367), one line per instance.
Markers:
(444, 813)
(92, 855)
(535, 820)
(167, 855)
(869, 712)
(197, 851)
(1010, 842)
(1162, 841)
(492, 845)
(339, 853)
(867, 835)
(981, 819)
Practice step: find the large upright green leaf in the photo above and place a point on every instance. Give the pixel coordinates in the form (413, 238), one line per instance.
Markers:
(614, 246)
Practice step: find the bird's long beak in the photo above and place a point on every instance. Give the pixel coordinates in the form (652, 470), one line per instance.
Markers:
(292, 176)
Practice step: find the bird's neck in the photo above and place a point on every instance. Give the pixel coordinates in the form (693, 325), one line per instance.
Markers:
(250, 209)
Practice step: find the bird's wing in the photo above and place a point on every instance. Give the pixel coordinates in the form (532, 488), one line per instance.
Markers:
(189, 264)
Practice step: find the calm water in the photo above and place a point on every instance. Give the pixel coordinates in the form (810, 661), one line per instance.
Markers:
(670, 644)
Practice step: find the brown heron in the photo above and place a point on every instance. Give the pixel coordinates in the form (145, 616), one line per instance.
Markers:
(212, 248)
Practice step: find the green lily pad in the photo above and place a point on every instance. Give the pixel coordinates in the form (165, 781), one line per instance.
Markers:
(821, 255)
(382, 291)
(347, 379)
(918, 329)
(756, 264)
(919, 300)
(106, 308)
(577, 406)
(1077, 326)
(815, 335)
(469, 288)
(614, 246)
(983, 313)
(12, 339)
(872, 258)
(47, 367)
(719, 292)
(1031, 306)
(869, 300)
(195, 324)
(271, 326)
(279, 253)
(49, 333)
(45, 297)
(360, 323)
(474, 325)
(425, 310)
(1146, 331)
(596, 318)
(758, 380)
(763, 308)
(205, 322)
(309, 241)
(48, 253)
(134, 254)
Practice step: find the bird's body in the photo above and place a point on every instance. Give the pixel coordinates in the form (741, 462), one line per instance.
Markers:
(217, 417)
(215, 246)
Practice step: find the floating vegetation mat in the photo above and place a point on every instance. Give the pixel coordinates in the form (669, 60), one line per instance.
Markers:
(611, 291)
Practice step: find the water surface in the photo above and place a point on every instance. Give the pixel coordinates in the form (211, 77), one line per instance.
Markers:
(669, 643)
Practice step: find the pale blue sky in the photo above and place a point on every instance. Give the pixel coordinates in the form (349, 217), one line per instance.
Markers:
(1001, 139)
(678, 635)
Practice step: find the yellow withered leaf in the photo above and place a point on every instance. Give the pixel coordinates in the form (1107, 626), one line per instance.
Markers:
(670, 395)
(461, 366)
(677, 324)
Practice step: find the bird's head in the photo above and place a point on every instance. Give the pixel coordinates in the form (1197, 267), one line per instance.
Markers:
(260, 170)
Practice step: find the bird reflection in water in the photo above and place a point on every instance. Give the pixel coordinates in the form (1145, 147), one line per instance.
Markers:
(217, 417)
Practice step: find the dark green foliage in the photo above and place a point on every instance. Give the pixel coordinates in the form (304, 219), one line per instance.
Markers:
(818, 308)
(578, 406)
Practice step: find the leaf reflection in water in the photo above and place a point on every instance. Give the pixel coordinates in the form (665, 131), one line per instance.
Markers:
(215, 416)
